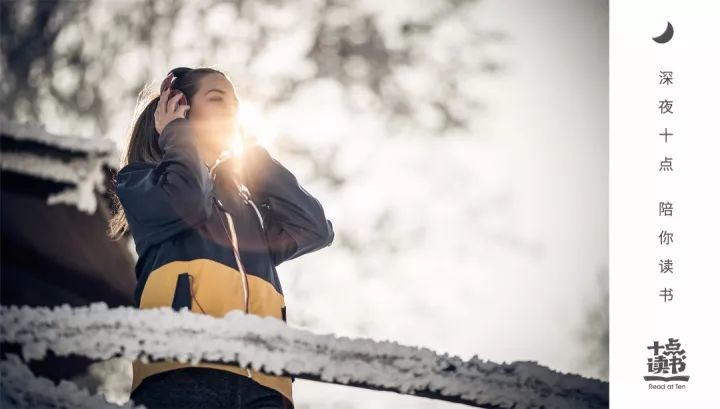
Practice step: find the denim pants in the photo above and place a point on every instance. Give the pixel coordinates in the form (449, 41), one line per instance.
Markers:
(205, 388)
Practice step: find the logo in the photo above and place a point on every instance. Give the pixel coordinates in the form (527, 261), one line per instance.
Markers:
(667, 363)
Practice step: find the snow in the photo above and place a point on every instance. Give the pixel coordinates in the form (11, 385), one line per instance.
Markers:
(84, 174)
(270, 345)
(21, 389)
(37, 133)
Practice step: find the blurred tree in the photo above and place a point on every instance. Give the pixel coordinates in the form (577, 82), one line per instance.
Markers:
(595, 334)
(77, 58)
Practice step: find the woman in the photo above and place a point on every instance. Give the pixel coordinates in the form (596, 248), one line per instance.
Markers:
(209, 228)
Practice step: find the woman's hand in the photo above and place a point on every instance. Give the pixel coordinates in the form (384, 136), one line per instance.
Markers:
(167, 110)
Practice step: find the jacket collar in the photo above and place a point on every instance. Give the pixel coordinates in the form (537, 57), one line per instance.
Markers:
(224, 157)
(215, 169)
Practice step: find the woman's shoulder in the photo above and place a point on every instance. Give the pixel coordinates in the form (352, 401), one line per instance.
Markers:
(134, 168)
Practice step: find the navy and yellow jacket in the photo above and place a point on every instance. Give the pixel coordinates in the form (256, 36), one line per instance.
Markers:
(209, 238)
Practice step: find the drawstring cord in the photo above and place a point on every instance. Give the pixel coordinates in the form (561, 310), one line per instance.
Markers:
(192, 293)
(233, 240)
(225, 155)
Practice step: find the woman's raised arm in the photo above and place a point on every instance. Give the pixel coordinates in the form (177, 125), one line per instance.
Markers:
(163, 199)
(295, 222)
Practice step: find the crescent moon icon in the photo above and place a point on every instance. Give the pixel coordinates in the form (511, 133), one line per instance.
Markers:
(666, 36)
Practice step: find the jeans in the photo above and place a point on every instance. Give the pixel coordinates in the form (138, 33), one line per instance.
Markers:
(205, 388)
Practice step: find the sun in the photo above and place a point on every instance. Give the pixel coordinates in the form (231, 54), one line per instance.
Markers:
(252, 124)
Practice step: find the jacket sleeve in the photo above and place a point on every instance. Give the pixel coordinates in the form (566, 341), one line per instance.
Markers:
(294, 220)
(163, 199)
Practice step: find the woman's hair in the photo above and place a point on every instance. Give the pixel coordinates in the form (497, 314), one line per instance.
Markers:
(142, 141)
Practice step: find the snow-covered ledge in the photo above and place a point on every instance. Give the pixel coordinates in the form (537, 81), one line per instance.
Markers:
(269, 345)
(83, 172)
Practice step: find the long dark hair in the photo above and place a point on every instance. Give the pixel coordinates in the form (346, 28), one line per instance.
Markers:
(142, 144)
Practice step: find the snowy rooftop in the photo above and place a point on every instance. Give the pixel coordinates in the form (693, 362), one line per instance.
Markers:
(75, 162)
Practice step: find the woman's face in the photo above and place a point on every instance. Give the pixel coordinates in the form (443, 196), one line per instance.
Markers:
(213, 111)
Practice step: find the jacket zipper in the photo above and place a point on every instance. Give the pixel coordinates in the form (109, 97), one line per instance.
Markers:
(245, 193)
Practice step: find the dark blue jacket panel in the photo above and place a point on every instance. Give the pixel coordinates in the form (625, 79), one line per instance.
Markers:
(295, 222)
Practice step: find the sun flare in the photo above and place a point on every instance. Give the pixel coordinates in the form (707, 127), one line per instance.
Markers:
(252, 125)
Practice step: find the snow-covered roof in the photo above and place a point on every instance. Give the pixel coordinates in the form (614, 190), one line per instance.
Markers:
(76, 161)
(37, 133)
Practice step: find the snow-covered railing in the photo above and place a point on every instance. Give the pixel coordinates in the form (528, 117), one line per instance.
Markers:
(269, 345)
